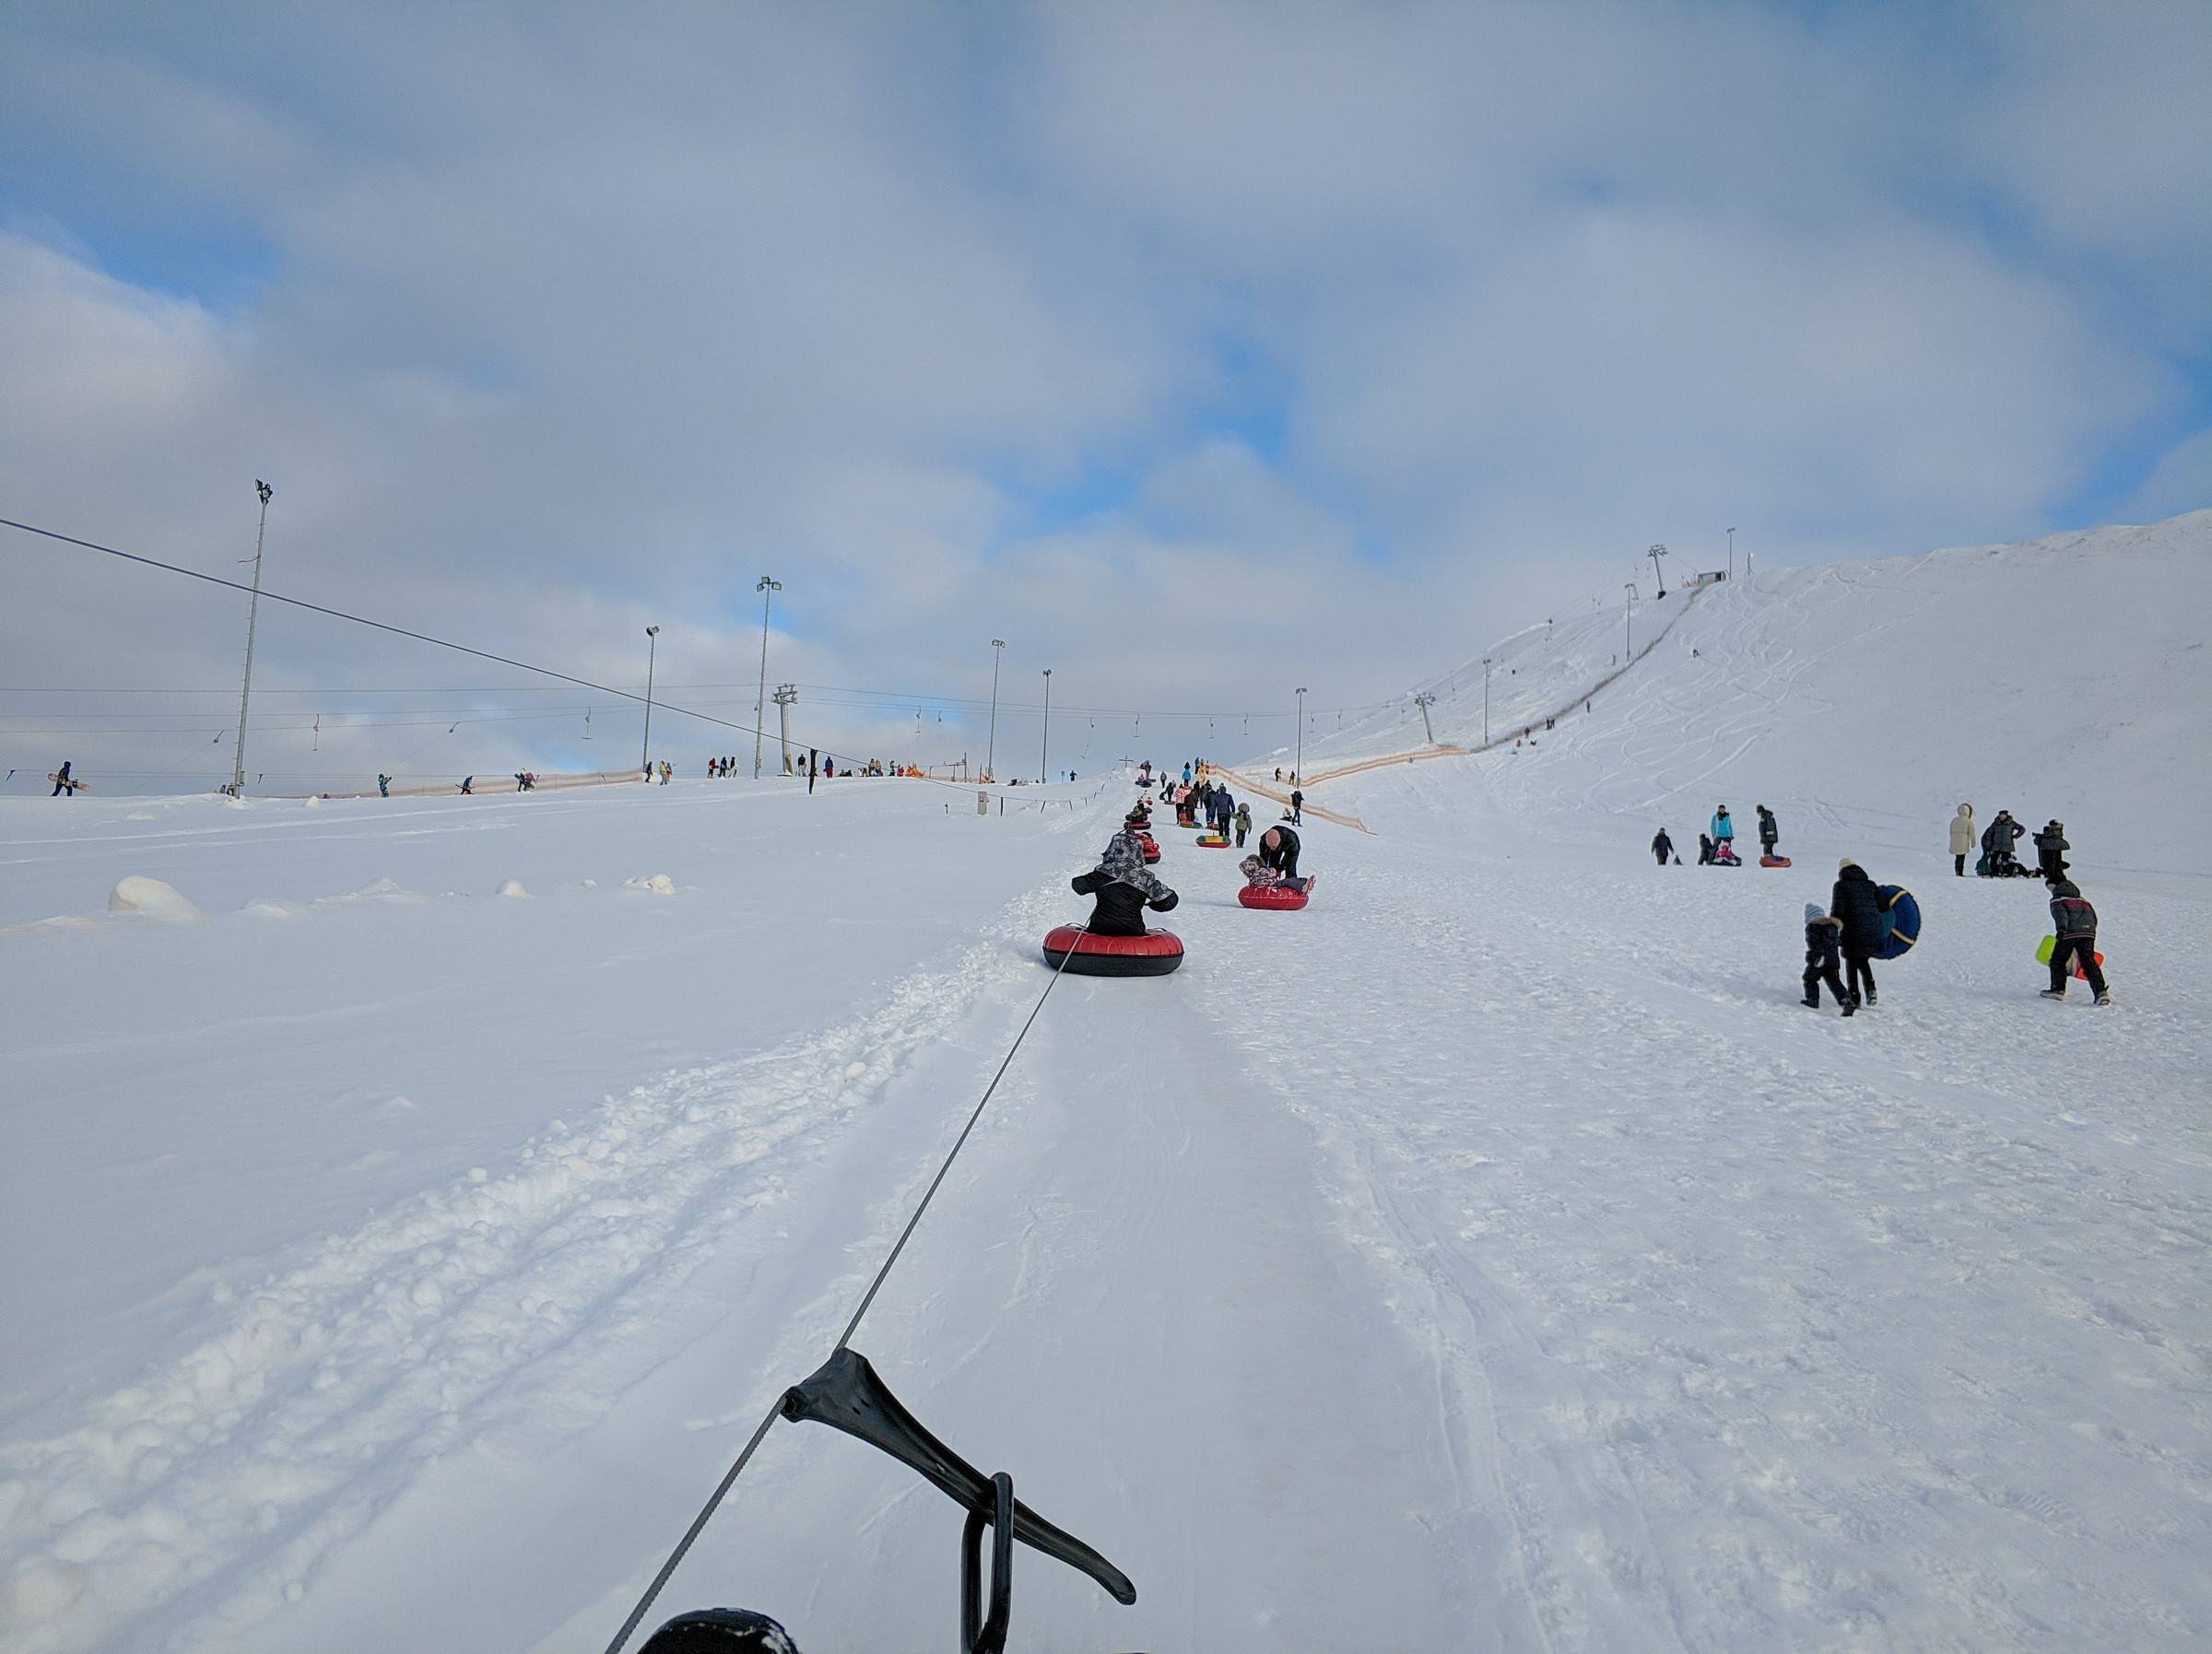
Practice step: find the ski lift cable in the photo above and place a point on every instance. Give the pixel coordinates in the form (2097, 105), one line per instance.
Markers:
(844, 1339)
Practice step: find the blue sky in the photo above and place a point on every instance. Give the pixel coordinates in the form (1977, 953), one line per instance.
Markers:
(1204, 347)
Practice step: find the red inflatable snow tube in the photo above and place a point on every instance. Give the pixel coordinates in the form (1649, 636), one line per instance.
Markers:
(1274, 898)
(1151, 846)
(1154, 954)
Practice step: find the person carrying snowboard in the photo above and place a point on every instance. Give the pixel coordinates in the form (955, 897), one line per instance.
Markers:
(1823, 947)
(1120, 887)
(62, 783)
(1661, 846)
(2075, 923)
(1962, 840)
(2050, 849)
(1769, 834)
(1856, 905)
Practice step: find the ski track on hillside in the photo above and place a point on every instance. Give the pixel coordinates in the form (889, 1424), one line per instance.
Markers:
(205, 1493)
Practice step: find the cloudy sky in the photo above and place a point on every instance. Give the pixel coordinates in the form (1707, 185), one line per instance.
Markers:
(1199, 350)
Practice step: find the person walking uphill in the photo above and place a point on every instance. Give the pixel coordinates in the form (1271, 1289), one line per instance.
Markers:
(62, 783)
(1823, 946)
(2076, 923)
(1122, 887)
(1661, 846)
(1243, 823)
(1857, 906)
(1962, 840)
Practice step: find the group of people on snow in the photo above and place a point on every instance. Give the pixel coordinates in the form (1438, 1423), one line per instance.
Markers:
(2000, 847)
(1716, 844)
(1122, 887)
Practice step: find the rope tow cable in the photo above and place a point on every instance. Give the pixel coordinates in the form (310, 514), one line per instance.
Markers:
(844, 1339)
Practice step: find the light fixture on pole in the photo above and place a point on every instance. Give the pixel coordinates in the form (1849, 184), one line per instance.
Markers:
(768, 589)
(1655, 553)
(653, 644)
(245, 692)
(1045, 745)
(1629, 645)
(1732, 554)
(1298, 765)
(1425, 700)
(998, 655)
(1485, 700)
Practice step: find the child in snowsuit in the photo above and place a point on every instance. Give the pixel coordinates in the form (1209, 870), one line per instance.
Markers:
(1661, 846)
(2050, 849)
(1243, 823)
(1823, 948)
(1122, 887)
(1705, 850)
(1856, 904)
(2074, 922)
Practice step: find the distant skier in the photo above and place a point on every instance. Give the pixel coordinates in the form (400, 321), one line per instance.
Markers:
(383, 785)
(1661, 846)
(1243, 823)
(1856, 904)
(1122, 887)
(2050, 849)
(1278, 851)
(1962, 838)
(1823, 946)
(62, 783)
(1297, 807)
(1769, 834)
(2075, 923)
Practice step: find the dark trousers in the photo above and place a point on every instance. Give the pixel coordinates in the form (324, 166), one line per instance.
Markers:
(1858, 970)
(1813, 978)
(1958, 866)
(2069, 949)
(1662, 857)
(1240, 832)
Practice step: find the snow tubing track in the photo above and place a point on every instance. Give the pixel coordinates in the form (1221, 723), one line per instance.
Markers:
(1154, 954)
(1901, 915)
(1273, 899)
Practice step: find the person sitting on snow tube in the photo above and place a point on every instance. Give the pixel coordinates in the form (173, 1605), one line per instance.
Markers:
(1122, 887)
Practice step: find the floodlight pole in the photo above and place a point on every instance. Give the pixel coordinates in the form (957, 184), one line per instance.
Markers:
(1485, 700)
(1298, 765)
(768, 589)
(653, 644)
(1045, 745)
(998, 655)
(245, 691)
(1629, 645)
(1732, 554)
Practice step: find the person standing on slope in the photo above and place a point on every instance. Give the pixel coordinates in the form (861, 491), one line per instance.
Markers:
(1856, 904)
(1962, 840)
(1122, 886)
(2050, 849)
(1723, 829)
(383, 785)
(2075, 923)
(1823, 946)
(1769, 834)
(1297, 807)
(1999, 844)
(1661, 846)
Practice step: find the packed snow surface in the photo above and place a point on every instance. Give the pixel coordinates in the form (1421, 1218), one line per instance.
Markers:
(1493, 1256)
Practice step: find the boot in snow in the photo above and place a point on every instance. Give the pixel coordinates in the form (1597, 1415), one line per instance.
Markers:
(2052, 993)
(1850, 1005)
(1812, 1002)
(2105, 998)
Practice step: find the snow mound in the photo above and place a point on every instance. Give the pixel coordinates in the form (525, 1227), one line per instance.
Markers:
(513, 887)
(660, 884)
(138, 894)
(272, 907)
(314, 801)
(380, 890)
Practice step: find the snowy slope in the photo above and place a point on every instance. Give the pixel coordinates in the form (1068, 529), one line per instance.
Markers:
(1492, 1257)
(2068, 677)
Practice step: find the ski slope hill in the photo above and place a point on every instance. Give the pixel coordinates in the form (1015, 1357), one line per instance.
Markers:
(2068, 677)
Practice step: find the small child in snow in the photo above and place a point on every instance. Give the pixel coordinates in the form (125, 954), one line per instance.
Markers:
(2075, 923)
(1823, 955)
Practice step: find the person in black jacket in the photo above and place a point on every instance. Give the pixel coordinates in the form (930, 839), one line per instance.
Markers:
(1857, 905)
(1122, 887)
(2050, 849)
(2074, 922)
(1998, 844)
(1279, 852)
(1661, 846)
(1298, 805)
(62, 783)
(1769, 834)
(1823, 946)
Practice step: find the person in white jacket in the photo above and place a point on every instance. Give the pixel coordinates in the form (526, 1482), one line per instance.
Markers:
(1963, 839)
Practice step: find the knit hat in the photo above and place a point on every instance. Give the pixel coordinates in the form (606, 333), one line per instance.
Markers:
(1812, 912)
(1846, 861)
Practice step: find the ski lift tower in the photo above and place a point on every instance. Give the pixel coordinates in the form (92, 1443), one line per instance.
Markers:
(787, 696)
(1425, 700)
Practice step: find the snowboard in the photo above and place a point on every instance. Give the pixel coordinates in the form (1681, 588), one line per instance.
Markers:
(2049, 945)
(53, 779)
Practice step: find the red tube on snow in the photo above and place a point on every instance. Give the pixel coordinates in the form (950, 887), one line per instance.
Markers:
(1154, 954)
(1273, 899)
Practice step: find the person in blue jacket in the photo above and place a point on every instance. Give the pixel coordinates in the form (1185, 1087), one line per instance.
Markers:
(1723, 830)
